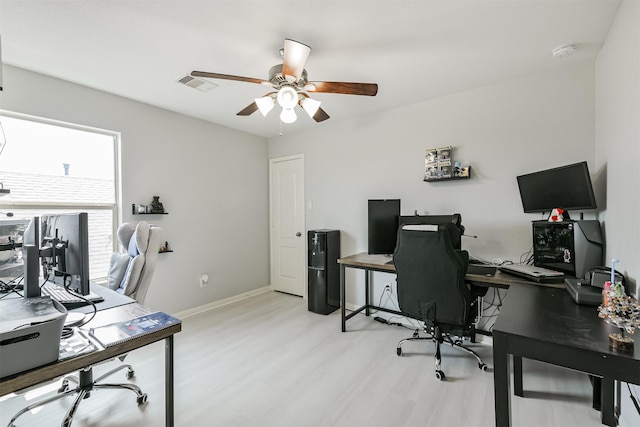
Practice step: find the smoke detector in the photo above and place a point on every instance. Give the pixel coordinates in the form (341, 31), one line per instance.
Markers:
(564, 50)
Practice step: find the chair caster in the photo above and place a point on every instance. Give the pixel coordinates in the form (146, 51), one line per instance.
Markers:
(457, 342)
(440, 376)
(142, 399)
(483, 366)
(399, 351)
(130, 373)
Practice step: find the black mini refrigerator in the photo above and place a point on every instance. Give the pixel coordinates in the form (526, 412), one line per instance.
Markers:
(323, 270)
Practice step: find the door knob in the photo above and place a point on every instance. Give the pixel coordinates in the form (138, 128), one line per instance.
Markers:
(298, 234)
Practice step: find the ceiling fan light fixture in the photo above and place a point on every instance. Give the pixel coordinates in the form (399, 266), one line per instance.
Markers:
(287, 98)
(288, 115)
(310, 87)
(311, 106)
(265, 104)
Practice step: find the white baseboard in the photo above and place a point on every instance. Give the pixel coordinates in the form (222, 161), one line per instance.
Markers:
(215, 304)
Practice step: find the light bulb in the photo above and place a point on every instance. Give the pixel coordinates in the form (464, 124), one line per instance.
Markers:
(288, 115)
(287, 97)
(311, 106)
(265, 104)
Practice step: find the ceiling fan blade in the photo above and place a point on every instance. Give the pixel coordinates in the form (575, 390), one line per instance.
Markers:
(368, 89)
(228, 77)
(320, 115)
(295, 58)
(248, 110)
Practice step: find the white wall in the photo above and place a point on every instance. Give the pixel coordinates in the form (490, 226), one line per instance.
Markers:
(618, 136)
(524, 125)
(212, 180)
(618, 151)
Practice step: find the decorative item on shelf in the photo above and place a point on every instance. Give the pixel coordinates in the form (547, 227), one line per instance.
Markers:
(165, 248)
(155, 207)
(439, 165)
(620, 310)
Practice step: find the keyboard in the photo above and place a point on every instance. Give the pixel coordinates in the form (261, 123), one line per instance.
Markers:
(531, 272)
(59, 294)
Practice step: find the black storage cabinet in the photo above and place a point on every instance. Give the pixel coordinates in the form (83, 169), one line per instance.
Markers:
(323, 271)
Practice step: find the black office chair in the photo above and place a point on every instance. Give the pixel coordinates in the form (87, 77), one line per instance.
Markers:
(431, 288)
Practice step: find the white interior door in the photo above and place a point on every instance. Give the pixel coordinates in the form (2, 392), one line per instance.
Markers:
(288, 236)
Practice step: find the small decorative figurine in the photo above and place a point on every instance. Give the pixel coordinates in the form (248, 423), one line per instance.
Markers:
(557, 215)
(156, 205)
(621, 311)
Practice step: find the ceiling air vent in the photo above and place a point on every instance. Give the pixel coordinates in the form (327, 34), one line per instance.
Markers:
(197, 84)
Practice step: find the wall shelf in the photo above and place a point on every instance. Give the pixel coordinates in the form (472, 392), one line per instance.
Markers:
(450, 178)
(151, 213)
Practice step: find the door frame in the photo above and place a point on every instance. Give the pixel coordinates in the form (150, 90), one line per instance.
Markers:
(271, 220)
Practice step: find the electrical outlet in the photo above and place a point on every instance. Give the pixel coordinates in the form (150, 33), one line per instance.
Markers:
(204, 280)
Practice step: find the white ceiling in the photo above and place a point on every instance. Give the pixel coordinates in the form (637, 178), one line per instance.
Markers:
(414, 50)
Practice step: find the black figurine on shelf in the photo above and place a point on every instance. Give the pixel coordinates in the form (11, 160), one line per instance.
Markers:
(156, 205)
(165, 248)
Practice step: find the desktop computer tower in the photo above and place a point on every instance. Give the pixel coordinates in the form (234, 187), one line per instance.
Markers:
(323, 271)
(572, 247)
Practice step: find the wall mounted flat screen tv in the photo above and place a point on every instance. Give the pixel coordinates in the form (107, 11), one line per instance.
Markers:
(568, 187)
(383, 225)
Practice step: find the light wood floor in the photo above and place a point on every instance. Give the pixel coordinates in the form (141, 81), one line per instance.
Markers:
(267, 361)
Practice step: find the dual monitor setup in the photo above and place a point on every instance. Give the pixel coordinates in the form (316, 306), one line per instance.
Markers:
(60, 244)
(571, 247)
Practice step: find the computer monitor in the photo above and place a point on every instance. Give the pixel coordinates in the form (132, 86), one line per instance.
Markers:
(383, 225)
(568, 187)
(64, 250)
(455, 219)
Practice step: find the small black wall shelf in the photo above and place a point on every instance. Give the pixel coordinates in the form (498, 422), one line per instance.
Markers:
(151, 213)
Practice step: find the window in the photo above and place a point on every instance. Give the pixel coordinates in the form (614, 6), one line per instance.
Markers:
(53, 167)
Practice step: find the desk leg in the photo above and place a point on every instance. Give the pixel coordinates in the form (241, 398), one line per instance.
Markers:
(168, 380)
(517, 376)
(607, 414)
(367, 292)
(342, 298)
(501, 381)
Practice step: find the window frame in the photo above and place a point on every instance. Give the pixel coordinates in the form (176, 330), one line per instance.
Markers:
(115, 207)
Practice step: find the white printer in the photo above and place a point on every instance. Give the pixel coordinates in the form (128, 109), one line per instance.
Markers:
(30, 330)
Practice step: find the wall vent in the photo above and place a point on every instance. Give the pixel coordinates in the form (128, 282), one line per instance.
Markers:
(196, 83)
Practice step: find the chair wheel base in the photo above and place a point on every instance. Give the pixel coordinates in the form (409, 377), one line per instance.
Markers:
(483, 367)
(440, 376)
(142, 399)
(130, 373)
(399, 351)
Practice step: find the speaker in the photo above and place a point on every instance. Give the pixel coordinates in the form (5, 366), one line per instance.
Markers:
(31, 256)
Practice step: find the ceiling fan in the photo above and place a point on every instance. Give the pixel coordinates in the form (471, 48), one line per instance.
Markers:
(290, 82)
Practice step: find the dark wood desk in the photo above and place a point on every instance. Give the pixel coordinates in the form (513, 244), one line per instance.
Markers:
(119, 313)
(371, 262)
(545, 324)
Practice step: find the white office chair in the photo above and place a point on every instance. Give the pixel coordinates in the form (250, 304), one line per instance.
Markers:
(130, 273)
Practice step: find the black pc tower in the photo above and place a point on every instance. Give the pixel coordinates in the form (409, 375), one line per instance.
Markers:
(572, 247)
(323, 271)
